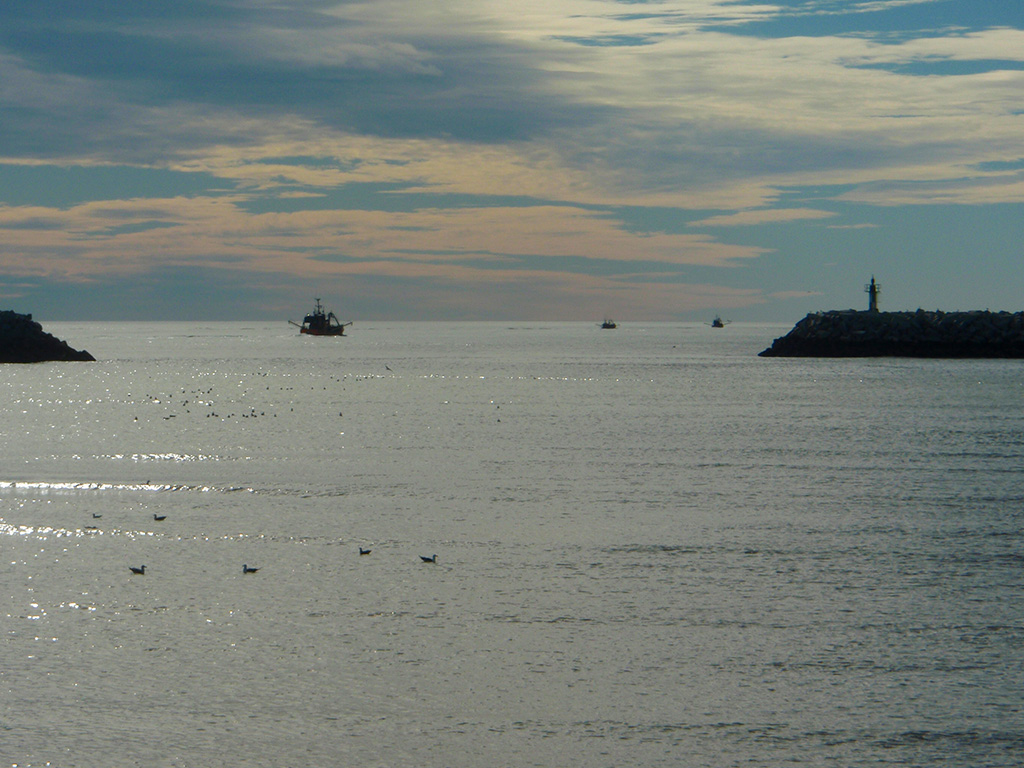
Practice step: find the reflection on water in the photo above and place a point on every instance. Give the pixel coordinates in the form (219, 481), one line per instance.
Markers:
(654, 548)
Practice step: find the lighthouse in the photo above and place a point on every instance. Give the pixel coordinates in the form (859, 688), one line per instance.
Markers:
(872, 290)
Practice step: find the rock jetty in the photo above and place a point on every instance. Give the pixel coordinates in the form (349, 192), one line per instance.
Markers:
(852, 333)
(22, 340)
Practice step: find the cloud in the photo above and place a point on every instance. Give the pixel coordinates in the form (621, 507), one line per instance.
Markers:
(691, 108)
(975, 190)
(94, 238)
(475, 139)
(772, 216)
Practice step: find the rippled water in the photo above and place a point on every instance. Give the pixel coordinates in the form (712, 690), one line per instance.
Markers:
(653, 549)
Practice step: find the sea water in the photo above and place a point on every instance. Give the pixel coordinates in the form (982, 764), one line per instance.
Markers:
(654, 548)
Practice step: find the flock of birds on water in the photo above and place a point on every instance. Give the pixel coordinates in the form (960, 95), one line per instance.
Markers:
(140, 570)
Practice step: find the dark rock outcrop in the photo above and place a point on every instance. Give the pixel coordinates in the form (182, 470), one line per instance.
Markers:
(903, 334)
(22, 340)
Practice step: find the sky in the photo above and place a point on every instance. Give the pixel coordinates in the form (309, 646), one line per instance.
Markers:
(553, 160)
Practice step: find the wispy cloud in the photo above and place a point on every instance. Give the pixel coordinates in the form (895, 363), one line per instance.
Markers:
(771, 216)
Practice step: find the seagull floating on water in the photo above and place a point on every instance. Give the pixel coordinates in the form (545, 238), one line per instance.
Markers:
(431, 559)
(364, 551)
(247, 569)
(141, 570)
(159, 517)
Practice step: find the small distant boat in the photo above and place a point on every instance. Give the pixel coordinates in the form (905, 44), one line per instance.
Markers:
(718, 322)
(321, 323)
(609, 323)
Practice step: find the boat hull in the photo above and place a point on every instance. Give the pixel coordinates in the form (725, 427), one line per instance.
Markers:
(335, 331)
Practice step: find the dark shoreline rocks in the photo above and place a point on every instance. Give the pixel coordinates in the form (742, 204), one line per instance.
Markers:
(851, 333)
(23, 340)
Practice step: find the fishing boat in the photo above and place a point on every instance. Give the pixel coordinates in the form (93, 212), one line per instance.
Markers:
(609, 323)
(321, 323)
(718, 322)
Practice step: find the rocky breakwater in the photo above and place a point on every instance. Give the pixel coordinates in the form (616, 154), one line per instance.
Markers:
(22, 340)
(903, 334)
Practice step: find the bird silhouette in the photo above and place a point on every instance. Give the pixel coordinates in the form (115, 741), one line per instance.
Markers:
(364, 551)
(159, 517)
(247, 569)
(431, 559)
(95, 516)
(141, 570)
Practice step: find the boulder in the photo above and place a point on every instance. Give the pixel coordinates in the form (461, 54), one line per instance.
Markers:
(22, 340)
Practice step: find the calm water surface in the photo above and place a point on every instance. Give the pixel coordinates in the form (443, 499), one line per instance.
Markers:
(653, 549)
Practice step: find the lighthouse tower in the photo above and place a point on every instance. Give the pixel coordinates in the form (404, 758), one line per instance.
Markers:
(872, 290)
